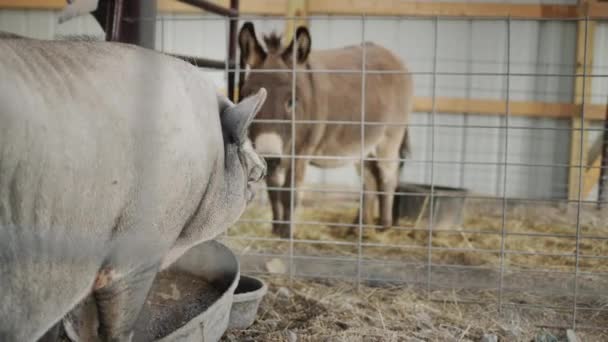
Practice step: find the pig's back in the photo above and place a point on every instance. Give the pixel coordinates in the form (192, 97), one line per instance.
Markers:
(101, 137)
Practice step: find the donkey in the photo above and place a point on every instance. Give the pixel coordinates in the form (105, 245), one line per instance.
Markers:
(327, 97)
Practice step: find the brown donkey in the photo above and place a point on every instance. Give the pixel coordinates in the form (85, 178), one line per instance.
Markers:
(328, 96)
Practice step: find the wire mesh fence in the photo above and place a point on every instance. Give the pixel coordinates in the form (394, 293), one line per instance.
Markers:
(527, 251)
(514, 238)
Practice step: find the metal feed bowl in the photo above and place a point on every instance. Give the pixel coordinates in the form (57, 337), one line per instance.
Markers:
(247, 297)
(448, 204)
(218, 265)
(204, 317)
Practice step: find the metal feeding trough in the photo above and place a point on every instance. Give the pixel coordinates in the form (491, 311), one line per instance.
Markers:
(191, 300)
(247, 298)
(415, 204)
(188, 302)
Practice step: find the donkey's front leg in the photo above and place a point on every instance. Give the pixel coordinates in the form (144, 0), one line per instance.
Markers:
(388, 177)
(274, 196)
(299, 171)
(120, 301)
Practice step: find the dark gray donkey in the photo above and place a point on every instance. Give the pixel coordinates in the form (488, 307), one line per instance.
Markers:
(327, 96)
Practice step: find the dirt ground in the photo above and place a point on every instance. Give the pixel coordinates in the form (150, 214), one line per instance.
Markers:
(335, 311)
(537, 237)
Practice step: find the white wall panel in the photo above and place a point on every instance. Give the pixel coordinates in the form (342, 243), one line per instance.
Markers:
(468, 149)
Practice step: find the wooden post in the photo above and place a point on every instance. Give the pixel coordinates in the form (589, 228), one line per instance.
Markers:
(578, 136)
(295, 8)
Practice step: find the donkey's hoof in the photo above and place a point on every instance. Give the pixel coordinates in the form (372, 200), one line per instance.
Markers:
(281, 229)
(384, 225)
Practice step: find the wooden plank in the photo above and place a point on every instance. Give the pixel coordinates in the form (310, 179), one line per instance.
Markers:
(265, 7)
(591, 177)
(453, 105)
(295, 8)
(448, 9)
(32, 4)
(595, 10)
(262, 7)
(595, 151)
(582, 89)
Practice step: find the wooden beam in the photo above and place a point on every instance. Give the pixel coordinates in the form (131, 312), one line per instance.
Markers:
(591, 177)
(262, 7)
(595, 10)
(295, 8)
(258, 7)
(592, 170)
(582, 89)
(453, 105)
(33, 4)
(472, 9)
(595, 151)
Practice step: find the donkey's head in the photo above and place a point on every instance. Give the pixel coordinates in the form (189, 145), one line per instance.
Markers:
(271, 68)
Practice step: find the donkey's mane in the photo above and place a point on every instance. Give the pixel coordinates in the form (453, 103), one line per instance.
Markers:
(273, 42)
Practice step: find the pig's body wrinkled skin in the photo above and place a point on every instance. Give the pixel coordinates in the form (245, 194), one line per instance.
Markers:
(113, 163)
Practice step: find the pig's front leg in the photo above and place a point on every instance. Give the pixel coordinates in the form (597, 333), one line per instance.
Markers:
(120, 301)
(82, 323)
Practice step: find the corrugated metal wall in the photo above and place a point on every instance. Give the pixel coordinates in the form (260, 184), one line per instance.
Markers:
(469, 152)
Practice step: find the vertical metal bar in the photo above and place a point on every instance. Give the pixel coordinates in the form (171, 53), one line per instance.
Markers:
(465, 123)
(227, 28)
(503, 223)
(580, 179)
(113, 20)
(240, 70)
(162, 33)
(234, 5)
(362, 166)
(602, 184)
(226, 68)
(432, 163)
(133, 22)
(101, 14)
(294, 60)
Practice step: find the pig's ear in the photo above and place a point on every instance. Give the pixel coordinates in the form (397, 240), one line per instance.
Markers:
(237, 118)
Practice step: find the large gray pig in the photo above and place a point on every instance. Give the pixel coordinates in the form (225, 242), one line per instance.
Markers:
(114, 161)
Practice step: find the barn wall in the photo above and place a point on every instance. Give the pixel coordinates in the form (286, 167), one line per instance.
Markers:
(468, 149)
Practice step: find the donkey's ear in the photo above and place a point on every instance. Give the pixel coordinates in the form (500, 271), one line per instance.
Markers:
(252, 53)
(303, 42)
(237, 118)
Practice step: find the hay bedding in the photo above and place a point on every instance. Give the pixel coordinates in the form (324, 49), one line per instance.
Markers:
(175, 298)
(334, 311)
(478, 240)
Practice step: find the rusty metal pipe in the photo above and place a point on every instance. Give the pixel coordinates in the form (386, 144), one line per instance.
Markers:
(132, 30)
(234, 6)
